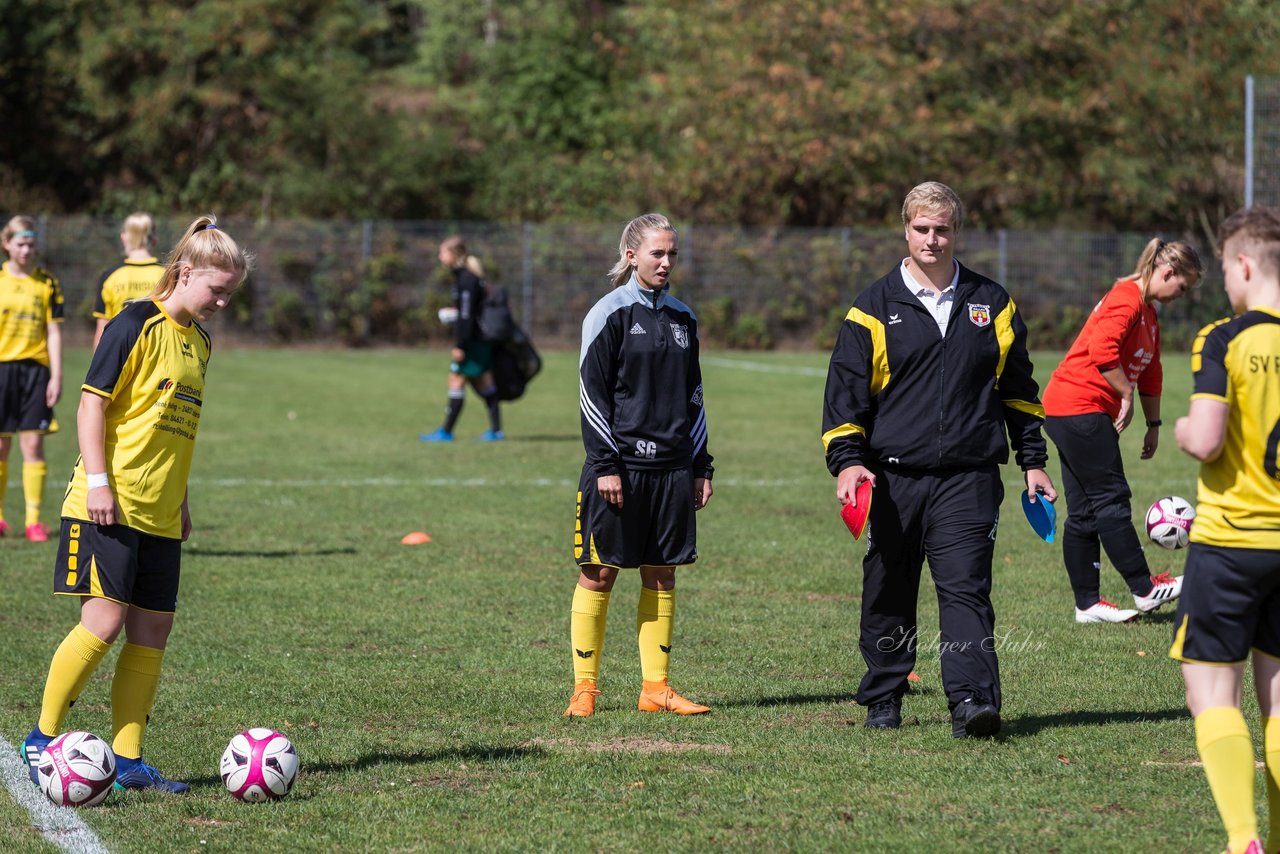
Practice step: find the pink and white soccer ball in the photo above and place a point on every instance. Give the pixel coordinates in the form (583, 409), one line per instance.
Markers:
(77, 769)
(1169, 522)
(259, 765)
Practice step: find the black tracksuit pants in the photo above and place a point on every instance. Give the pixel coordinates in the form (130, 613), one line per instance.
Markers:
(950, 518)
(1098, 510)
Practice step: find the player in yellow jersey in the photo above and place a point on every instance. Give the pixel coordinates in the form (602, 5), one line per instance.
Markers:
(1230, 601)
(30, 366)
(134, 277)
(125, 515)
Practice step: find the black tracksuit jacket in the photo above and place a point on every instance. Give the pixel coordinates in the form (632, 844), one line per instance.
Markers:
(641, 385)
(901, 394)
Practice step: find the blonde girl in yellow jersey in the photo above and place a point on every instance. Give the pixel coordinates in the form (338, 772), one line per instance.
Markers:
(125, 515)
(133, 278)
(30, 366)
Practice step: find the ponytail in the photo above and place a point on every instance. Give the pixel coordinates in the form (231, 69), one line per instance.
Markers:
(1181, 258)
(203, 246)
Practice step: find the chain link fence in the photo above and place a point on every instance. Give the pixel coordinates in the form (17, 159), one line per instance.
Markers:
(1265, 162)
(380, 283)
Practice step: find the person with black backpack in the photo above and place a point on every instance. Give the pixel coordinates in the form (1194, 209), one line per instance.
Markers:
(472, 356)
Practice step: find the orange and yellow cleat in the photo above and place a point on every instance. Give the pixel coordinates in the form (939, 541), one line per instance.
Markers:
(661, 697)
(583, 702)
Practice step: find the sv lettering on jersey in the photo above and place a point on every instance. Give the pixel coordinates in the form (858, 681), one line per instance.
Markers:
(1264, 364)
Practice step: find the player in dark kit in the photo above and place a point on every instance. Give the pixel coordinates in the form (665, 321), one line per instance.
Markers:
(647, 469)
(125, 515)
(472, 354)
(1230, 601)
(929, 371)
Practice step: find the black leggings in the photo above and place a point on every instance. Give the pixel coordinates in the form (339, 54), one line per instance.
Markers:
(1097, 505)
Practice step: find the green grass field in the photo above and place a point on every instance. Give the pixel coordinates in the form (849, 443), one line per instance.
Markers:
(423, 685)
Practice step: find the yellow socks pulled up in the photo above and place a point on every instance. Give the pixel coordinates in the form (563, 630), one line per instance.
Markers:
(655, 625)
(1222, 738)
(1271, 750)
(73, 663)
(133, 694)
(33, 477)
(586, 631)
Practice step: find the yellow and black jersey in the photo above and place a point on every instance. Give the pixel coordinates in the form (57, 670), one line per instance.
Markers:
(903, 394)
(128, 280)
(1237, 362)
(28, 304)
(152, 371)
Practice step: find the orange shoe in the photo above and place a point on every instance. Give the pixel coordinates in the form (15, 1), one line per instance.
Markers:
(661, 697)
(583, 702)
(37, 533)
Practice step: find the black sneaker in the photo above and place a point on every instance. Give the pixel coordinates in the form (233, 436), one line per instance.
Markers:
(973, 718)
(886, 714)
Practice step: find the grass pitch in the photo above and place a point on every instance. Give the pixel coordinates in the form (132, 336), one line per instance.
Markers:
(423, 685)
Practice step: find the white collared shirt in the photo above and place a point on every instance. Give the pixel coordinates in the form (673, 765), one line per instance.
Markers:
(937, 303)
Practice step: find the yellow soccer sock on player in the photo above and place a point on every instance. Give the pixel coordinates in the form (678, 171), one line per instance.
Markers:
(1271, 750)
(133, 693)
(586, 631)
(33, 477)
(1222, 738)
(655, 624)
(73, 663)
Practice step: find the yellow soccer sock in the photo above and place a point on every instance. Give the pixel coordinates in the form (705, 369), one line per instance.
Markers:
(4, 485)
(655, 624)
(1222, 738)
(133, 693)
(33, 476)
(1271, 750)
(586, 630)
(73, 663)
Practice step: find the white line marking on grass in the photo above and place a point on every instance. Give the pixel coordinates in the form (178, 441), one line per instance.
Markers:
(60, 825)
(762, 368)
(446, 481)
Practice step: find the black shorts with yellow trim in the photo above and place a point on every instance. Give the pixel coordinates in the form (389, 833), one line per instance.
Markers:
(23, 407)
(1230, 603)
(655, 527)
(119, 563)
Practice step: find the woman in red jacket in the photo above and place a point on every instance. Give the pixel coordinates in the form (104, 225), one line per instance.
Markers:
(1088, 402)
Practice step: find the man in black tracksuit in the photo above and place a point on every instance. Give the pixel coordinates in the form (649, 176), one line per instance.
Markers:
(929, 371)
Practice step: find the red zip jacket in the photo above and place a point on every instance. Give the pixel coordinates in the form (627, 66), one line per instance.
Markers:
(1122, 331)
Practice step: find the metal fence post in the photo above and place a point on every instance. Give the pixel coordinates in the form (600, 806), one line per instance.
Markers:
(1248, 141)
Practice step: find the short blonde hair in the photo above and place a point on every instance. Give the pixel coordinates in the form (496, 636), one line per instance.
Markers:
(139, 231)
(936, 198)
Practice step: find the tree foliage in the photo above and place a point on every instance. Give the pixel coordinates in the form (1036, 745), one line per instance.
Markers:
(1107, 114)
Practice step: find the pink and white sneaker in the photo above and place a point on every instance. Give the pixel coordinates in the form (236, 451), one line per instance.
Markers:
(1163, 589)
(1105, 612)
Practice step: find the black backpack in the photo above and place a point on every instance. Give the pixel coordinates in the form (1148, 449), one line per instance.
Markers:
(497, 324)
(515, 363)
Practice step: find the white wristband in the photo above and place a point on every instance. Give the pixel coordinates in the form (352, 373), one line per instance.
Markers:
(96, 480)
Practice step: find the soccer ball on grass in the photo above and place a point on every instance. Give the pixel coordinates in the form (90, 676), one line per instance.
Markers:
(77, 769)
(1169, 522)
(259, 765)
